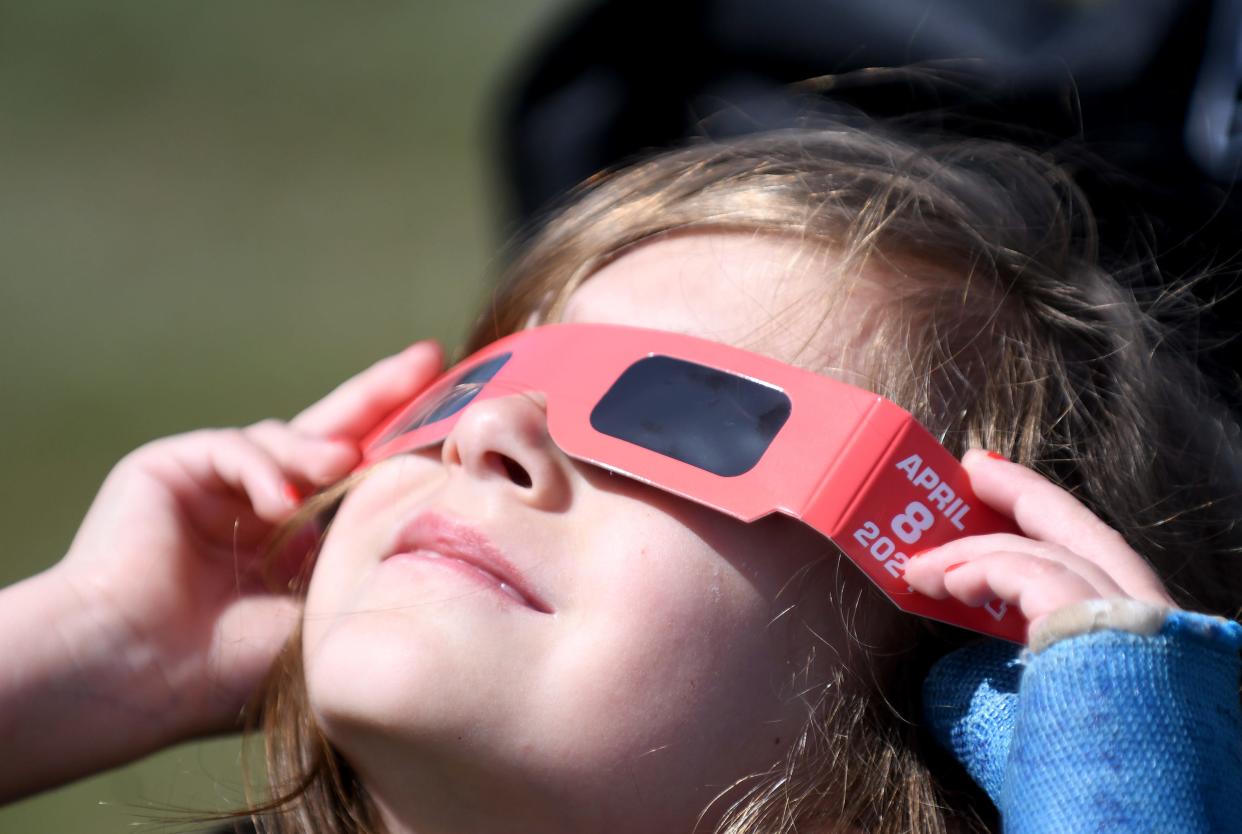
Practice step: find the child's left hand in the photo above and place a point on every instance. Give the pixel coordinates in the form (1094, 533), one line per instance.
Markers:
(1064, 555)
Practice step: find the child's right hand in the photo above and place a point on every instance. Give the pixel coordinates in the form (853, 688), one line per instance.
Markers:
(160, 610)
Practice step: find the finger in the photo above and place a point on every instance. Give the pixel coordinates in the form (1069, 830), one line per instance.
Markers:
(1036, 586)
(932, 563)
(317, 461)
(227, 459)
(243, 566)
(226, 518)
(1045, 512)
(357, 405)
(268, 566)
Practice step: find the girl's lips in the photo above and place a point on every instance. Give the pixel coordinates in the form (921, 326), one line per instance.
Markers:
(431, 534)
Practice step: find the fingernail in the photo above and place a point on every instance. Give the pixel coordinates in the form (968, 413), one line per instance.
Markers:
(916, 554)
(954, 566)
(291, 494)
(996, 456)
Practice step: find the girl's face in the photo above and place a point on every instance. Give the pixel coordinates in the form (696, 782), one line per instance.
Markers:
(651, 658)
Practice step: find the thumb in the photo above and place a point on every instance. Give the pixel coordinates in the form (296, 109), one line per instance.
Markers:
(970, 699)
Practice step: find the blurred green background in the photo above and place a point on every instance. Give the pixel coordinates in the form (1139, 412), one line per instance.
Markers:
(211, 213)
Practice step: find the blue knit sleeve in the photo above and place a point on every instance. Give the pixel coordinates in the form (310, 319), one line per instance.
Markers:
(1109, 731)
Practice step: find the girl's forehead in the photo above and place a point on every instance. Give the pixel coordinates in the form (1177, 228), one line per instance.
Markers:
(764, 293)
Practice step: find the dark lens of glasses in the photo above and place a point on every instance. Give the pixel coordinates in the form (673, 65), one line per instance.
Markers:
(717, 421)
(448, 398)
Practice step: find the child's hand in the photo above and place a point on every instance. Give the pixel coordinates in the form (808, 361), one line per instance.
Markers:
(169, 557)
(1065, 555)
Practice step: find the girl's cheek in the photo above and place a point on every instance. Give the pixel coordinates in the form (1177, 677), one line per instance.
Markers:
(363, 523)
(674, 616)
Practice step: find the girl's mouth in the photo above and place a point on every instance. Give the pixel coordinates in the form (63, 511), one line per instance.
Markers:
(433, 535)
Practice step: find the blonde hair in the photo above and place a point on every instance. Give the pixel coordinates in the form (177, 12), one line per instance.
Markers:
(1000, 328)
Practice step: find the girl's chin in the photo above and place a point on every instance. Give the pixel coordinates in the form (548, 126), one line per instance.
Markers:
(415, 670)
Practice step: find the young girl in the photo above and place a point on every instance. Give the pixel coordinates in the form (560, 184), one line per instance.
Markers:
(498, 637)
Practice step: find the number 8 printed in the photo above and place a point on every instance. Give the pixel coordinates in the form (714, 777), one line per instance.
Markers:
(910, 525)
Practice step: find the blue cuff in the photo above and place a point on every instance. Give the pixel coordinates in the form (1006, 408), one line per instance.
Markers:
(1108, 731)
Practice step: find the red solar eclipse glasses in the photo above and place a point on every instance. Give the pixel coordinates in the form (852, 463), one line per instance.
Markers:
(741, 433)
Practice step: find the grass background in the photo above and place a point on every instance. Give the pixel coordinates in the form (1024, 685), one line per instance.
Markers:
(211, 213)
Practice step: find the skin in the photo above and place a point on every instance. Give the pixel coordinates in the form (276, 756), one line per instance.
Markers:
(663, 672)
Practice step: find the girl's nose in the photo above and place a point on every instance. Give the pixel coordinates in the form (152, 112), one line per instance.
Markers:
(505, 441)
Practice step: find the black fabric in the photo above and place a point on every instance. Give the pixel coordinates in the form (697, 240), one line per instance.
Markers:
(1123, 79)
